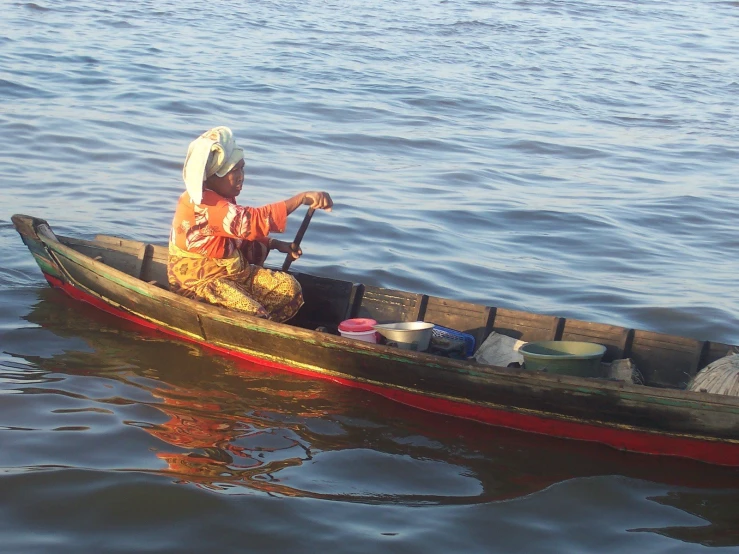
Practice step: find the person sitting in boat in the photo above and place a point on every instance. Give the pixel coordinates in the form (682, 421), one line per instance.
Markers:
(217, 247)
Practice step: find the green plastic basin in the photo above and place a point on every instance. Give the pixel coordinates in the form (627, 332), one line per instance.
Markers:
(564, 357)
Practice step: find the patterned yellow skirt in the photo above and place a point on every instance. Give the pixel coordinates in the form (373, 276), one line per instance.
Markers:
(235, 283)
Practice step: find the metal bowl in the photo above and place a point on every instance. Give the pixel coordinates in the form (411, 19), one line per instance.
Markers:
(408, 335)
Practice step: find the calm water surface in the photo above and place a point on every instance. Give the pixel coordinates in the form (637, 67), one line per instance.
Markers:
(572, 158)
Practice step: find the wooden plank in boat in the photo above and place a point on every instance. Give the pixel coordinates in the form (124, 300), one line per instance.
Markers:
(157, 272)
(158, 267)
(526, 326)
(143, 257)
(117, 243)
(617, 340)
(666, 360)
(462, 316)
(714, 351)
(127, 259)
(152, 259)
(160, 253)
(356, 300)
(87, 248)
(389, 306)
(327, 302)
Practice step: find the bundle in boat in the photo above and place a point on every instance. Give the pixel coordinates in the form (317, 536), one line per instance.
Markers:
(719, 377)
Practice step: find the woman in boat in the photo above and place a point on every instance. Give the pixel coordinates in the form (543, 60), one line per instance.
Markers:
(217, 247)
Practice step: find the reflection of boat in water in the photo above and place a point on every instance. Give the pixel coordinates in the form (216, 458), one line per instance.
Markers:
(720, 510)
(128, 279)
(231, 425)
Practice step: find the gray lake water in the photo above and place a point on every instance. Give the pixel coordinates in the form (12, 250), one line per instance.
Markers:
(561, 157)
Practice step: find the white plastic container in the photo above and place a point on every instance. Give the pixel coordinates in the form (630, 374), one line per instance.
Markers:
(408, 335)
(359, 329)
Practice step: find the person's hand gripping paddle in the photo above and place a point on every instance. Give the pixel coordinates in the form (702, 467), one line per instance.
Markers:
(316, 200)
(298, 237)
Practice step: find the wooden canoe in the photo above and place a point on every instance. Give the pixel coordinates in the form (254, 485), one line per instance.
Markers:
(128, 279)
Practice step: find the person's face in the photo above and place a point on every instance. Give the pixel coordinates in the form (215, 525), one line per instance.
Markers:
(228, 186)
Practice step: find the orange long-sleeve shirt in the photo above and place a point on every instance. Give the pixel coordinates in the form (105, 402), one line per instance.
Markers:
(215, 227)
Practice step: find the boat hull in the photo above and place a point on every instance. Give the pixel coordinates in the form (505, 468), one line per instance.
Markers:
(626, 417)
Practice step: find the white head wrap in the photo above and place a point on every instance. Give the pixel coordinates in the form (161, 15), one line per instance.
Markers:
(212, 153)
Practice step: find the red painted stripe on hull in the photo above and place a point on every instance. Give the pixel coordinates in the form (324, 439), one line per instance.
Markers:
(643, 442)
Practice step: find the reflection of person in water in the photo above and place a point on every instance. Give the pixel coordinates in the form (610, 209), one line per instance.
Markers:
(213, 435)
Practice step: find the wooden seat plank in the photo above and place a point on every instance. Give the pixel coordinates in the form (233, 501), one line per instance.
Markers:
(666, 360)
(526, 326)
(617, 340)
(462, 316)
(390, 306)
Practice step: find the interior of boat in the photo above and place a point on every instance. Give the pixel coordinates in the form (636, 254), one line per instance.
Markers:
(663, 360)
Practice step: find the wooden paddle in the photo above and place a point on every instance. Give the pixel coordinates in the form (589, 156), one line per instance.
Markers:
(298, 237)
